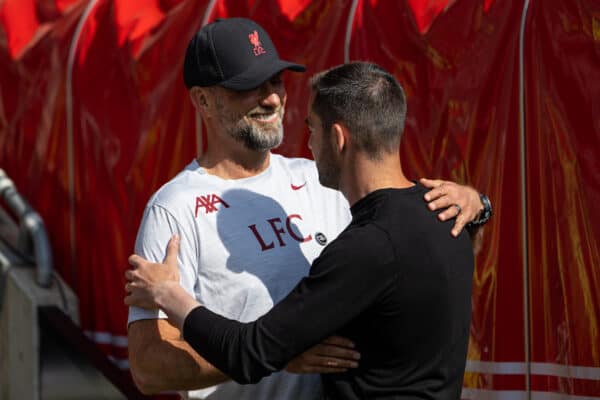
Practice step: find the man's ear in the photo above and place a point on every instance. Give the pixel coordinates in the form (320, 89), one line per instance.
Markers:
(340, 137)
(198, 97)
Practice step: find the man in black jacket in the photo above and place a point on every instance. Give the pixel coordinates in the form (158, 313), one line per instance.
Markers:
(394, 282)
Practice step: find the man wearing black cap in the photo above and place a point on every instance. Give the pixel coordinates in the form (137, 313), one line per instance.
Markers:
(233, 53)
(250, 222)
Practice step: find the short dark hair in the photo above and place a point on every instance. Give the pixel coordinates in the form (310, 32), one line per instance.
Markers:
(367, 100)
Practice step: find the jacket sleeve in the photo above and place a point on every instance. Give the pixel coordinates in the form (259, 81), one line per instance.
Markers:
(346, 279)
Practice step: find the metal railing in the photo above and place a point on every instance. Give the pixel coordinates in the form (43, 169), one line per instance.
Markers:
(33, 239)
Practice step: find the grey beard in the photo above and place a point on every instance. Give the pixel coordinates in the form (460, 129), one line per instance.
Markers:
(256, 140)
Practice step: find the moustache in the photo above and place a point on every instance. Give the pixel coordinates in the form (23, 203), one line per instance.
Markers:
(265, 110)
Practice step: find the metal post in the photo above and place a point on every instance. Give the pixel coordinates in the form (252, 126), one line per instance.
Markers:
(525, 254)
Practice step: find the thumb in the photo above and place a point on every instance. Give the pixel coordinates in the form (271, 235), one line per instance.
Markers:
(172, 250)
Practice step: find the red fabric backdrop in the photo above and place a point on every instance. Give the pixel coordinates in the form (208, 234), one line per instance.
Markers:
(563, 174)
(134, 128)
(461, 81)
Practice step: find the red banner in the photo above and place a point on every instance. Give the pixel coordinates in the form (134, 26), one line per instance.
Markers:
(462, 124)
(562, 64)
(34, 50)
(134, 130)
(132, 127)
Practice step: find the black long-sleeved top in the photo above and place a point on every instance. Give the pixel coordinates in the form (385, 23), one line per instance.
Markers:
(395, 282)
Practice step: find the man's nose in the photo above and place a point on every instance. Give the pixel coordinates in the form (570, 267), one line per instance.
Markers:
(271, 99)
(269, 96)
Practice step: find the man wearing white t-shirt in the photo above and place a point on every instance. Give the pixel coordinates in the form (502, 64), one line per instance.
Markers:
(250, 222)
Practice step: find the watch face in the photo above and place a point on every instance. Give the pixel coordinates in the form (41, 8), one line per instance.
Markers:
(487, 205)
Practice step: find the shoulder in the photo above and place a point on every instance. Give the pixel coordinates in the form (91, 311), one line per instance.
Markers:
(294, 164)
(414, 229)
(367, 244)
(180, 189)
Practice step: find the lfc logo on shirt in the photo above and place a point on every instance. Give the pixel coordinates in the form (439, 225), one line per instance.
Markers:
(278, 232)
(209, 203)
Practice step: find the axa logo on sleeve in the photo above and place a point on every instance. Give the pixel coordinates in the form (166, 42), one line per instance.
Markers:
(209, 203)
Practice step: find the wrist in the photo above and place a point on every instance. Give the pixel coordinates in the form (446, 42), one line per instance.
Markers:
(175, 302)
(164, 293)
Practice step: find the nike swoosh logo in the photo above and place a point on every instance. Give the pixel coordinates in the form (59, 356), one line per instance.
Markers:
(294, 187)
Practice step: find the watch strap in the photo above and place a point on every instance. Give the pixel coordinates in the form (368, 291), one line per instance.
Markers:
(485, 214)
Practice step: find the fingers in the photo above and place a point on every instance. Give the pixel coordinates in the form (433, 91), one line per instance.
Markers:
(339, 341)
(451, 212)
(134, 260)
(456, 201)
(323, 369)
(313, 364)
(314, 369)
(336, 349)
(138, 295)
(333, 362)
(327, 351)
(431, 183)
(133, 278)
(329, 364)
(137, 262)
(440, 197)
(172, 251)
(171, 257)
(135, 300)
(455, 211)
(130, 299)
(334, 354)
(459, 224)
(436, 198)
(129, 275)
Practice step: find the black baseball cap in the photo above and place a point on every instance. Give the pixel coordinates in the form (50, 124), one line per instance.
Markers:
(235, 53)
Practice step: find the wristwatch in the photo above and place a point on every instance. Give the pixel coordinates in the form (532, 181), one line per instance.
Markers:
(485, 214)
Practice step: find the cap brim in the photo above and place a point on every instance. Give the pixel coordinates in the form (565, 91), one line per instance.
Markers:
(254, 77)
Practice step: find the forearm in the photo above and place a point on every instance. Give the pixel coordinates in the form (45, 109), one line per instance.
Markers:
(175, 302)
(207, 332)
(247, 352)
(175, 366)
(160, 360)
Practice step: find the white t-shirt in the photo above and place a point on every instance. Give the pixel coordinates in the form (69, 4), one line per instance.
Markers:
(245, 243)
